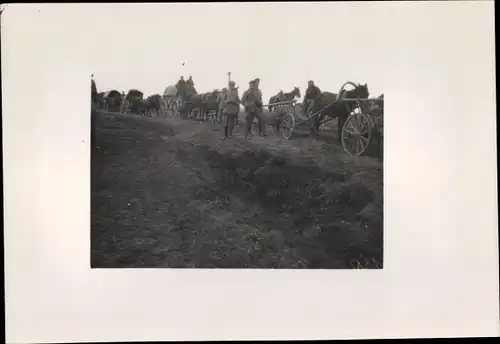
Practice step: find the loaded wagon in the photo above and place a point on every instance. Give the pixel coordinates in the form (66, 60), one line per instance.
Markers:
(132, 102)
(172, 101)
(111, 100)
(274, 114)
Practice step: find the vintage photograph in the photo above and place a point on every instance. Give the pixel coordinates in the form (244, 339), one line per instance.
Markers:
(256, 151)
(230, 174)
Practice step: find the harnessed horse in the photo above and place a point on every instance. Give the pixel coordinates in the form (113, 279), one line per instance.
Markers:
(283, 97)
(329, 108)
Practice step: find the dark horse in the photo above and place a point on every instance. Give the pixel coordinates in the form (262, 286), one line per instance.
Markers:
(283, 97)
(152, 105)
(210, 103)
(193, 104)
(190, 101)
(135, 99)
(340, 110)
(200, 105)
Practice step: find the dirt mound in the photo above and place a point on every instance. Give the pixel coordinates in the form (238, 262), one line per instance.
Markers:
(333, 207)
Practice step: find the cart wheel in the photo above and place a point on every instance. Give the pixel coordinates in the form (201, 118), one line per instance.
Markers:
(287, 125)
(357, 133)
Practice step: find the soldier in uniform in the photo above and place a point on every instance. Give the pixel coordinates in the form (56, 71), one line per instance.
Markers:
(190, 82)
(231, 109)
(260, 116)
(181, 87)
(313, 93)
(190, 85)
(221, 99)
(252, 101)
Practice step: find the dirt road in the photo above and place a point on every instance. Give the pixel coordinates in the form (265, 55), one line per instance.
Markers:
(171, 193)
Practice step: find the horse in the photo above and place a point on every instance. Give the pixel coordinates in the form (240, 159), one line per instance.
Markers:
(189, 101)
(340, 110)
(136, 105)
(283, 97)
(375, 107)
(142, 107)
(210, 103)
(153, 104)
(111, 100)
(193, 105)
(201, 105)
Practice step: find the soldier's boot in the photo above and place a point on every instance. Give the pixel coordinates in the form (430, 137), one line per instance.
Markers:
(248, 129)
(225, 132)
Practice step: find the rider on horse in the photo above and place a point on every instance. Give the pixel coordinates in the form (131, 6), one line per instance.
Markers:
(181, 87)
(313, 93)
(190, 82)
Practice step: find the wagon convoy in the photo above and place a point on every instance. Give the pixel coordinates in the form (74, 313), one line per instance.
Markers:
(359, 118)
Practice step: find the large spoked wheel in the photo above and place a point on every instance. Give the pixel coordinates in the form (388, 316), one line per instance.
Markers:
(287, 125)
(357, 133)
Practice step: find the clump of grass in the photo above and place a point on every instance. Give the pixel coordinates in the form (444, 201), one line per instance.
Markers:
(366, 263)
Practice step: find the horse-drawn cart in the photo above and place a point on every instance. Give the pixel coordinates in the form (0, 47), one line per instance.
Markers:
(360, 118)
(172, 101)
(132, 102)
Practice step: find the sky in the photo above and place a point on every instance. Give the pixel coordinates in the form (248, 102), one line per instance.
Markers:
(285, 45)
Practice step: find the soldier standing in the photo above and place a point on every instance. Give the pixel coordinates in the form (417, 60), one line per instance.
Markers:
(181, 87)
(260, 110)
(231, 109)
(313, 93)
(190, 85)
(221, 99)
(252, 101)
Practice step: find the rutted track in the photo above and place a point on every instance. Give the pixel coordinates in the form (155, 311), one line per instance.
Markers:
(171, 193)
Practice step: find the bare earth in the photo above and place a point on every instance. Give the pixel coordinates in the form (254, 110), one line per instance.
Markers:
(171, 193)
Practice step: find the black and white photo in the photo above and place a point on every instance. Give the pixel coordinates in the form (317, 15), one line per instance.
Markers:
(236, 154)
(235, 172)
